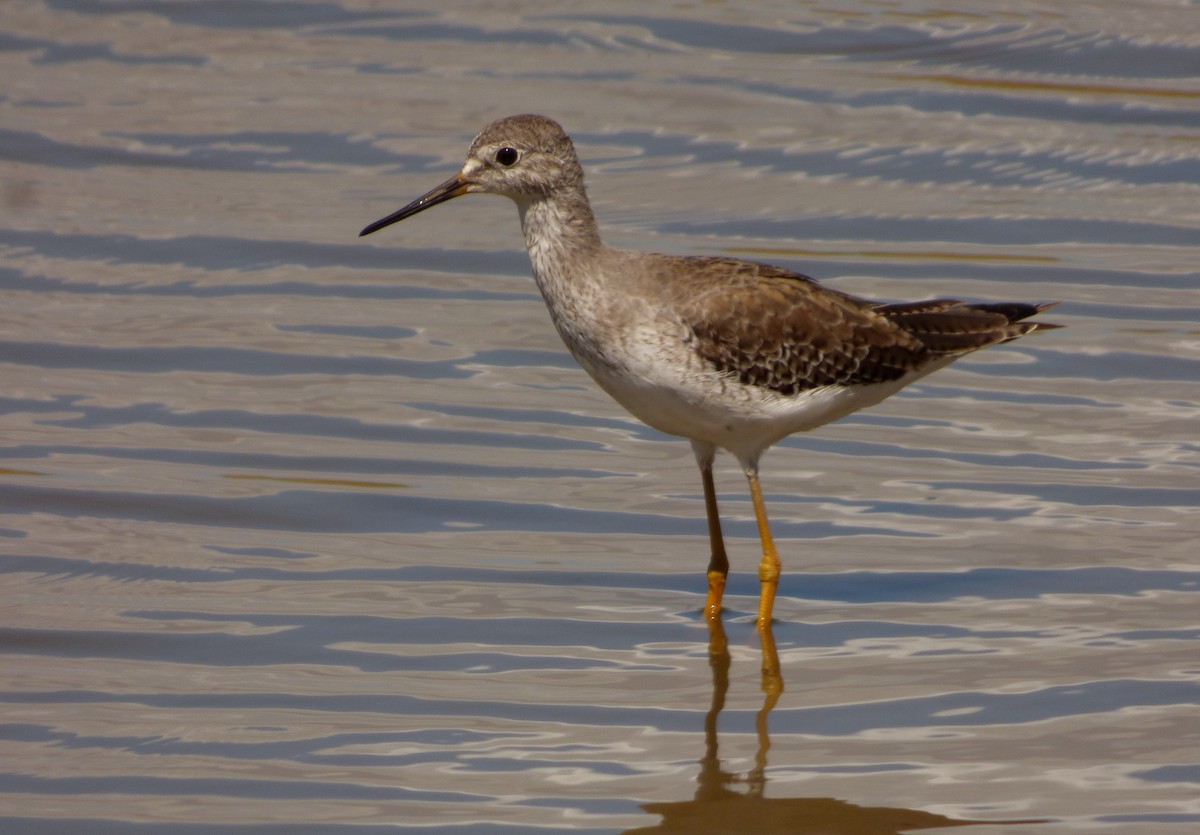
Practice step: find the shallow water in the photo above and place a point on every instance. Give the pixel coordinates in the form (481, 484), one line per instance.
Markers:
(302, 533)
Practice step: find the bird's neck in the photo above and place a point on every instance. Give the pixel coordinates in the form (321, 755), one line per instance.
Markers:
(560, 233)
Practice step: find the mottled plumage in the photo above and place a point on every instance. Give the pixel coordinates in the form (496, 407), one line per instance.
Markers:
(782, 331)
(731, 354)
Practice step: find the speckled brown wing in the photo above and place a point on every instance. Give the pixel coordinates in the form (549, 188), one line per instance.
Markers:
(782, 331)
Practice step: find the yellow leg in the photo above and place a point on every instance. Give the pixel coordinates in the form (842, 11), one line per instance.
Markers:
(718, 565)
(716, 589)
(769, 568)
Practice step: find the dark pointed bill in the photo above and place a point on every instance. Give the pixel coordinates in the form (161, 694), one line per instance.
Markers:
(440, 194)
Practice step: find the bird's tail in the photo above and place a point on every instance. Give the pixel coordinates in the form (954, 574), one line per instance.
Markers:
(952, 326)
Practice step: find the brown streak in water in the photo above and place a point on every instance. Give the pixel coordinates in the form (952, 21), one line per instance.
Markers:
(333, 482)
(1053, 86)
(923, 256)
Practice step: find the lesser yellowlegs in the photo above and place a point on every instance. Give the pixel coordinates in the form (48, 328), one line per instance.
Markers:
(730, 354)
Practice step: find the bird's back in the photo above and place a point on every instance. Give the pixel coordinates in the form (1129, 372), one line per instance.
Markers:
(782, 331)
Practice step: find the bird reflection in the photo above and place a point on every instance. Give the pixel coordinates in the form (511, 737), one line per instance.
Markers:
(726, 803)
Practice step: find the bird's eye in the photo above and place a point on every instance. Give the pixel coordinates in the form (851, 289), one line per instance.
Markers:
(507, 156)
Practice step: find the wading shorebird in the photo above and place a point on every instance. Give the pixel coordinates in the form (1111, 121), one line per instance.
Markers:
(731, 354)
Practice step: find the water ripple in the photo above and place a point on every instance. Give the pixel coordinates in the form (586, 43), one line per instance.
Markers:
(304, 534)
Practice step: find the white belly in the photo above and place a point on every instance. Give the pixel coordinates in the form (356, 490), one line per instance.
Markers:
(704, 405)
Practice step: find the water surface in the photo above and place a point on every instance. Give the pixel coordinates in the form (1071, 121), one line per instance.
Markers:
(301, 533)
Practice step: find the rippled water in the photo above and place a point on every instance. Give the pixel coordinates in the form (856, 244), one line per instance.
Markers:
(302, 533)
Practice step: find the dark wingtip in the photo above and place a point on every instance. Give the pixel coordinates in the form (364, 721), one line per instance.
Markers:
(1046, 326)
(1018, 311)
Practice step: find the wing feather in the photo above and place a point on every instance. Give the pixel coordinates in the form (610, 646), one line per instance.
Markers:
(783, 331)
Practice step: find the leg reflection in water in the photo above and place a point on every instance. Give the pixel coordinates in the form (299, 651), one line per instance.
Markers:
(728, 803)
